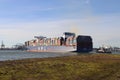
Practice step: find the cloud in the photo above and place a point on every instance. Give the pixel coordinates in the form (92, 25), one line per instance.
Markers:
(103, 29)
(13, 36)
(21, 21)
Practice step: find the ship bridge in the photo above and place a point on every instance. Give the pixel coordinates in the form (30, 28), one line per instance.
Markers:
(68, 34)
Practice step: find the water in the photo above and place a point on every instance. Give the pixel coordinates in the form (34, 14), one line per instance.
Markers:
(16, 55)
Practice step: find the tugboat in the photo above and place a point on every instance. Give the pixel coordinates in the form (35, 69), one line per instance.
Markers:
(104, 49)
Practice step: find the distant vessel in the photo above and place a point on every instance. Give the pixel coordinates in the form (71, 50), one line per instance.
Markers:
(68, 42)
(104, 49)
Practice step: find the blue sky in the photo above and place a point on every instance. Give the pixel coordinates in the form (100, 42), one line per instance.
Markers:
(21, 20)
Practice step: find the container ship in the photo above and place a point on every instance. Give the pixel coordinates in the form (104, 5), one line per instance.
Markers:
(66, 43)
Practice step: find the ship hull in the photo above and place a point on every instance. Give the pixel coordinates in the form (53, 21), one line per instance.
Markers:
(50, 48)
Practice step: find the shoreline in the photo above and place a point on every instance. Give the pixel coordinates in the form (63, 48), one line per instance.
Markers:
(77, 67)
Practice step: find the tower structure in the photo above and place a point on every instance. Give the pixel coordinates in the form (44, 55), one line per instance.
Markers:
(2, 45)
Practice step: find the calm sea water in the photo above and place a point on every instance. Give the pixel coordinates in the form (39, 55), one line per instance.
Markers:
(16, 55)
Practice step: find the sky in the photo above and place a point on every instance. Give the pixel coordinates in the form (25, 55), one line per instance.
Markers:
(21, 20)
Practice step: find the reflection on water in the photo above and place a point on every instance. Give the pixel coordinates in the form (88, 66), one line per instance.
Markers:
(15, 55)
